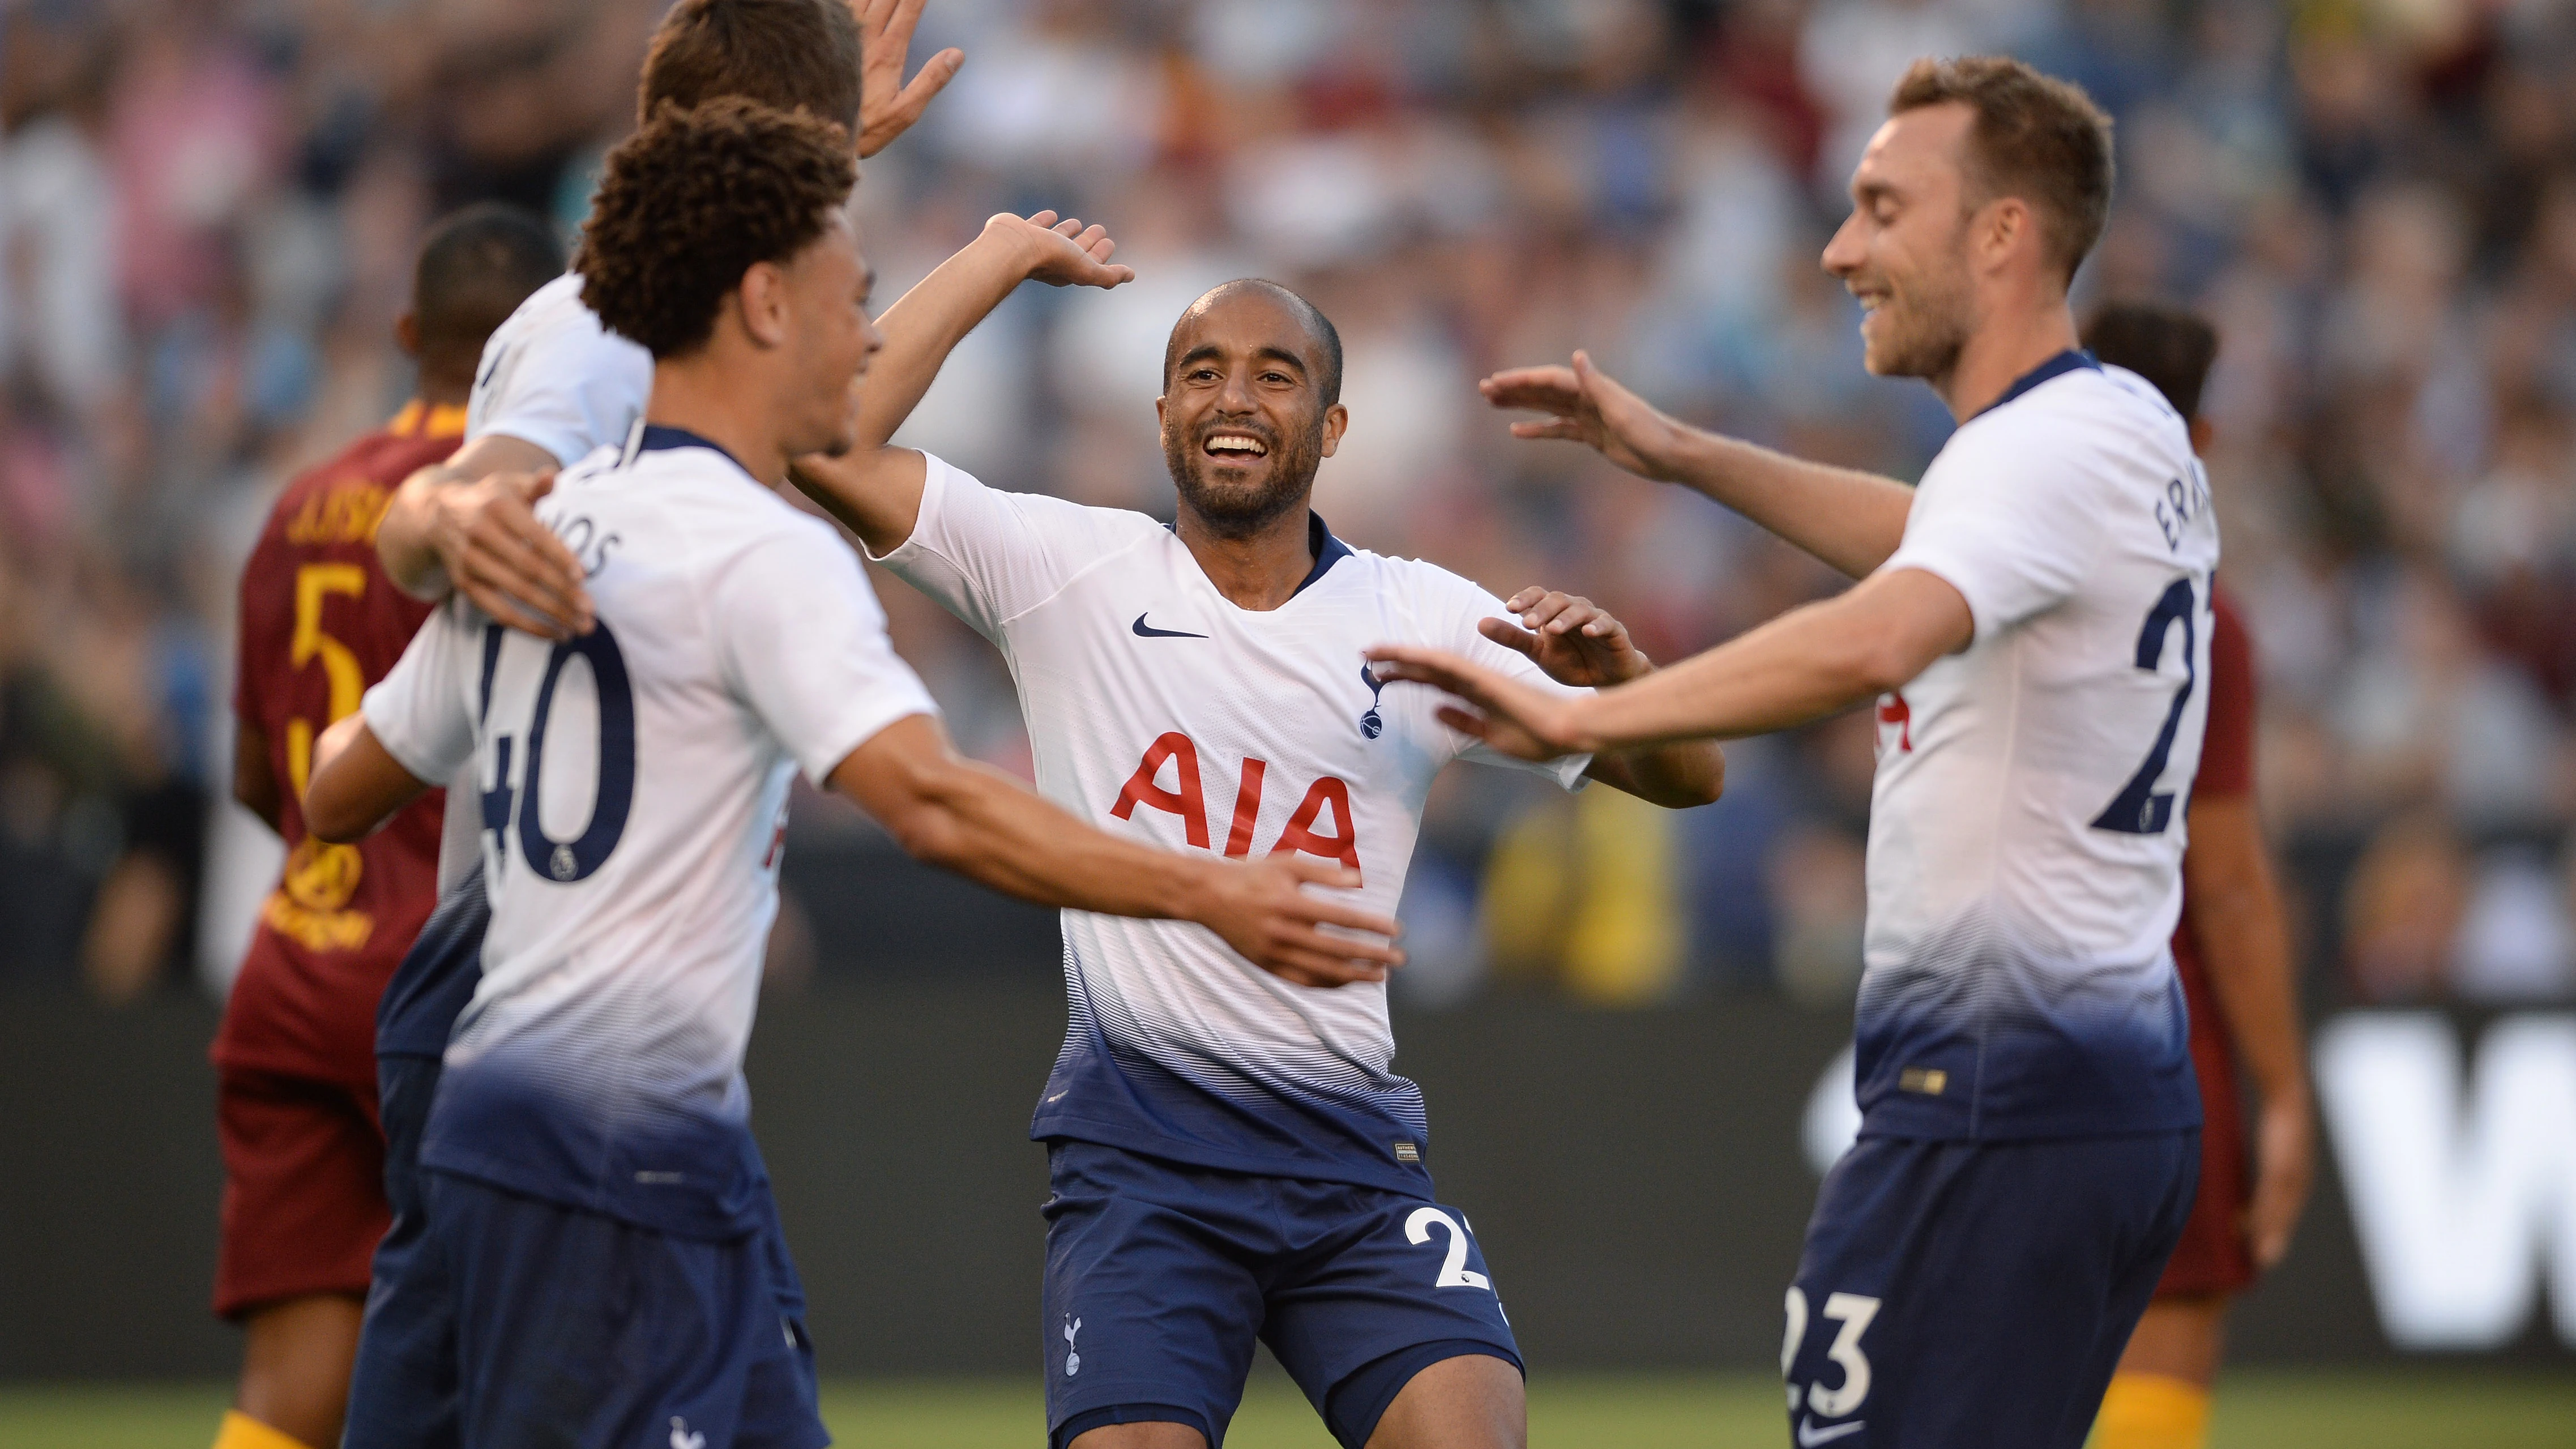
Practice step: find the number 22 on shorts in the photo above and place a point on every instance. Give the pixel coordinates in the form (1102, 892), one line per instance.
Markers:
(1454, 1272)
(1853, 1312)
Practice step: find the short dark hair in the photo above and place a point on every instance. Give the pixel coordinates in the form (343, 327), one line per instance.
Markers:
(788, 54)
(476, 266)
(2167, 346)
(694, 200)
(1328, 338)
(2036, 137)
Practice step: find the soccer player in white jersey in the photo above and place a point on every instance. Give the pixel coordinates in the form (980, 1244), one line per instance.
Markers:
(591, 1178)
(552, 386)
(2033, 622)
(1232, 1156)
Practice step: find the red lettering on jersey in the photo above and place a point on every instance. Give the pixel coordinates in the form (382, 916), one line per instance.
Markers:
(1343, 846)
(1187, 803)
(1892, 710)
(1247, 808)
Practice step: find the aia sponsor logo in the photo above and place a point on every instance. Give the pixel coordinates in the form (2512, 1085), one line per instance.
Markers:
(1894, 713)
(1321, 825)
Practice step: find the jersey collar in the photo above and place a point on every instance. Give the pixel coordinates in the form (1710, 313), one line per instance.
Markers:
(2060, 365)
(1327, 549)
(1320, 542)
(653, 438)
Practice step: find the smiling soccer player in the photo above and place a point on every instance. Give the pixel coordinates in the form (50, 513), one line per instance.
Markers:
(2034, 624)
(1232, 1157)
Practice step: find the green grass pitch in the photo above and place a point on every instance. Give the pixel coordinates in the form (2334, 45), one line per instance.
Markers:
(2396, 1409)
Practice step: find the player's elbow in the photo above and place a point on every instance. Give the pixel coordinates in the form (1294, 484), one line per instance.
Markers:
(335, 815)
(1881, 663)
(929, 819)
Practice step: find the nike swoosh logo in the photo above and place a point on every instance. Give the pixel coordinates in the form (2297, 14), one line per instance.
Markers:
(1143, 631)
(1809, 1436)
(1058, 1097)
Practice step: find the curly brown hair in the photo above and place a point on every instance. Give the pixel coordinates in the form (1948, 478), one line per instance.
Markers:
(694, 200)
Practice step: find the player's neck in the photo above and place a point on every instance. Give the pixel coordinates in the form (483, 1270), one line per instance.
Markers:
(2013, 340)
(1259, 571)
(699, 394)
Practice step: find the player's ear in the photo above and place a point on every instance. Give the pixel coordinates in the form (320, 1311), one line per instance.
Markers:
(1337, 420)
(764, 302)
(407, 333)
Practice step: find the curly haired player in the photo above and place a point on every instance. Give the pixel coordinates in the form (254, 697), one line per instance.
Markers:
(594, 1196)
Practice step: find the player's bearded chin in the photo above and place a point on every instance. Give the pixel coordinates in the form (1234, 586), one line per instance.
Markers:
(1922, 319)
(1239, 510)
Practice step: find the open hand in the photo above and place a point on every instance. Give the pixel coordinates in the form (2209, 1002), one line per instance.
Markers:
(1590, 408)
(887, 106)
(2285, 1160)
(501, 558)
(1061, 253)
(1510, 716)
(1573, 639)
(1263, 910)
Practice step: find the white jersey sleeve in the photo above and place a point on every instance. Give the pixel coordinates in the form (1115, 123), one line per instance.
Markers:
(1463, 606)
(803, 639)
(988, 556)
(2008, 525)
(421, 710)
(555, 376)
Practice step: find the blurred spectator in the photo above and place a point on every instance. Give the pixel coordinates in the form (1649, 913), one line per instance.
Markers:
(206, 208)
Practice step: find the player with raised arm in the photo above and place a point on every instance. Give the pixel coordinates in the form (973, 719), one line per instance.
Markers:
(1232, 1157)
(2033, 621)
(552, 386)
(304, 1195)
(591, 1178)
(2233, 951)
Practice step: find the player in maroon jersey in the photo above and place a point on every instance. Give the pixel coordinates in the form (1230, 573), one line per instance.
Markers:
(2234, 954)
(295, 1063)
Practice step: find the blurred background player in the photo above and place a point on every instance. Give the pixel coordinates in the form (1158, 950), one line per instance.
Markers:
(552, 386)
(304, 1199)
(555, 384)
(1231, 1160)
(2233, 952)
(2029, 622)
(592, 1184)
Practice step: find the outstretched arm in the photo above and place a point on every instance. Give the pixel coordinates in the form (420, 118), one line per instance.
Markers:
(1577, 642)
(1850, 519)
(875, 489)
(958, 815)
(1808, 663)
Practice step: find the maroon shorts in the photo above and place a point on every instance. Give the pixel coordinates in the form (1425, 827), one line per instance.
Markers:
(2212, 1256)
(304, 1188)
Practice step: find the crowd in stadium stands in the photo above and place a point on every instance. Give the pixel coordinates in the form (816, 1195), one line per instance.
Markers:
(208, 210)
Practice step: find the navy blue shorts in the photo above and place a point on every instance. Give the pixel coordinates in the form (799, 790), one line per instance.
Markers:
(578, 1329)
(402, 1389)
(1160, 1276)
(1978, 1293)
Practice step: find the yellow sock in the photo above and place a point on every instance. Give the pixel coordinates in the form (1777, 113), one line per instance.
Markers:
(241, 1431)
(2152, 1411)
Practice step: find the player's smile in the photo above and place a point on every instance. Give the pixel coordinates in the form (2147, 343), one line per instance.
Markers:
(1234, 445)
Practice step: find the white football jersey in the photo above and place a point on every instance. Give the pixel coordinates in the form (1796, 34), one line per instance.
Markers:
(1160, 710)
(632, 788)
(2026, 829)
(551, 375)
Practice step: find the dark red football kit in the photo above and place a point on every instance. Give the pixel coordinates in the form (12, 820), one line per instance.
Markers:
(295, 1062)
